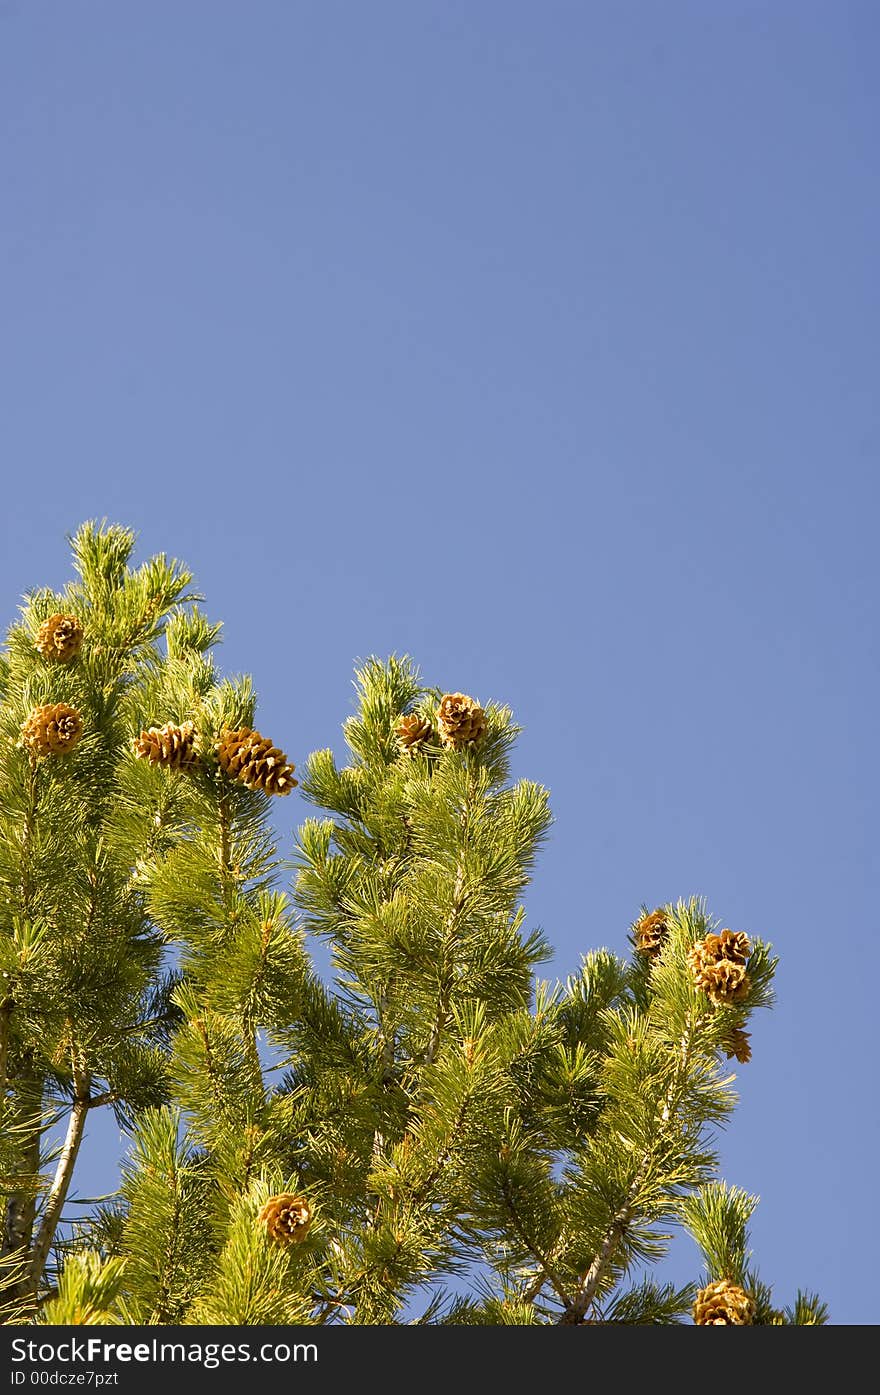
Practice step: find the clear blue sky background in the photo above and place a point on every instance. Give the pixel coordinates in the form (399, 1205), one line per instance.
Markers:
(538, 341)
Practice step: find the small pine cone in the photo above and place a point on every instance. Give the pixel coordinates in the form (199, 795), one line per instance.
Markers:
(730, 944)
(170, 746)
(650, 932)
(412, 732)
(287, 1218)
(247, 756)
(52, 730)
(60, 638)
(724, 1304)
(727, 983)
(737, 1044)
(461, 721)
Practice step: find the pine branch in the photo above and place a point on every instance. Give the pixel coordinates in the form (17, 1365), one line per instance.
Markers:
(385, 1038)
(27, 872)
(224, 850)
(589, 1282)
(105, 1097)
(21, 1206)
(548, 1274)
(447, 979)
(161, 1305)
(63, 1174)
(7, 1007)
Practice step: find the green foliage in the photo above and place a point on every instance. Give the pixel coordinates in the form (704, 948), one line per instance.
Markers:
(80, 958)
(651, 1304)
(717, 1217)
(88, 1292)
(808, 1310)
(470, 1143)
(169, 1228)
(256, 1283)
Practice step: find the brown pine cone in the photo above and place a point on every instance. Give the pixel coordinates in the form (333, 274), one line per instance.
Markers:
(170, 746)
(52, 730)
(726, 982)
(461, 721)
(247, 756)
(721, 980)
(717, 965)
(287, 1218)
(723, 1304)
(60, 638)
(650, 933)
(730, 944)
(737, 1044)
(413, 731)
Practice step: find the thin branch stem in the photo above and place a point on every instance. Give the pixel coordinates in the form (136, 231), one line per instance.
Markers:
(63, 1174)
(30, 818)
(224, 818)
(549, 1274)
(450, 931)
(590, 1281)
(7, 1008)
(447, 979)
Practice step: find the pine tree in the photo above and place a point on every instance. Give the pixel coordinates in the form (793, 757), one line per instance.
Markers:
(435, 1134)
(85, 1010)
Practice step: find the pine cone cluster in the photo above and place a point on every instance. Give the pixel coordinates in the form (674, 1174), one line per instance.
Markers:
(247, 756)
(52, 730)
(287, 1218)
(650, 933)
(461, 721)
(170, 746)
(717, 965)
(723, 1304)
(413, 732)
(736, 1043)
(60, 638)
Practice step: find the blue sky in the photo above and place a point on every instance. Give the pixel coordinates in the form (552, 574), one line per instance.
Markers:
(538, 341)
